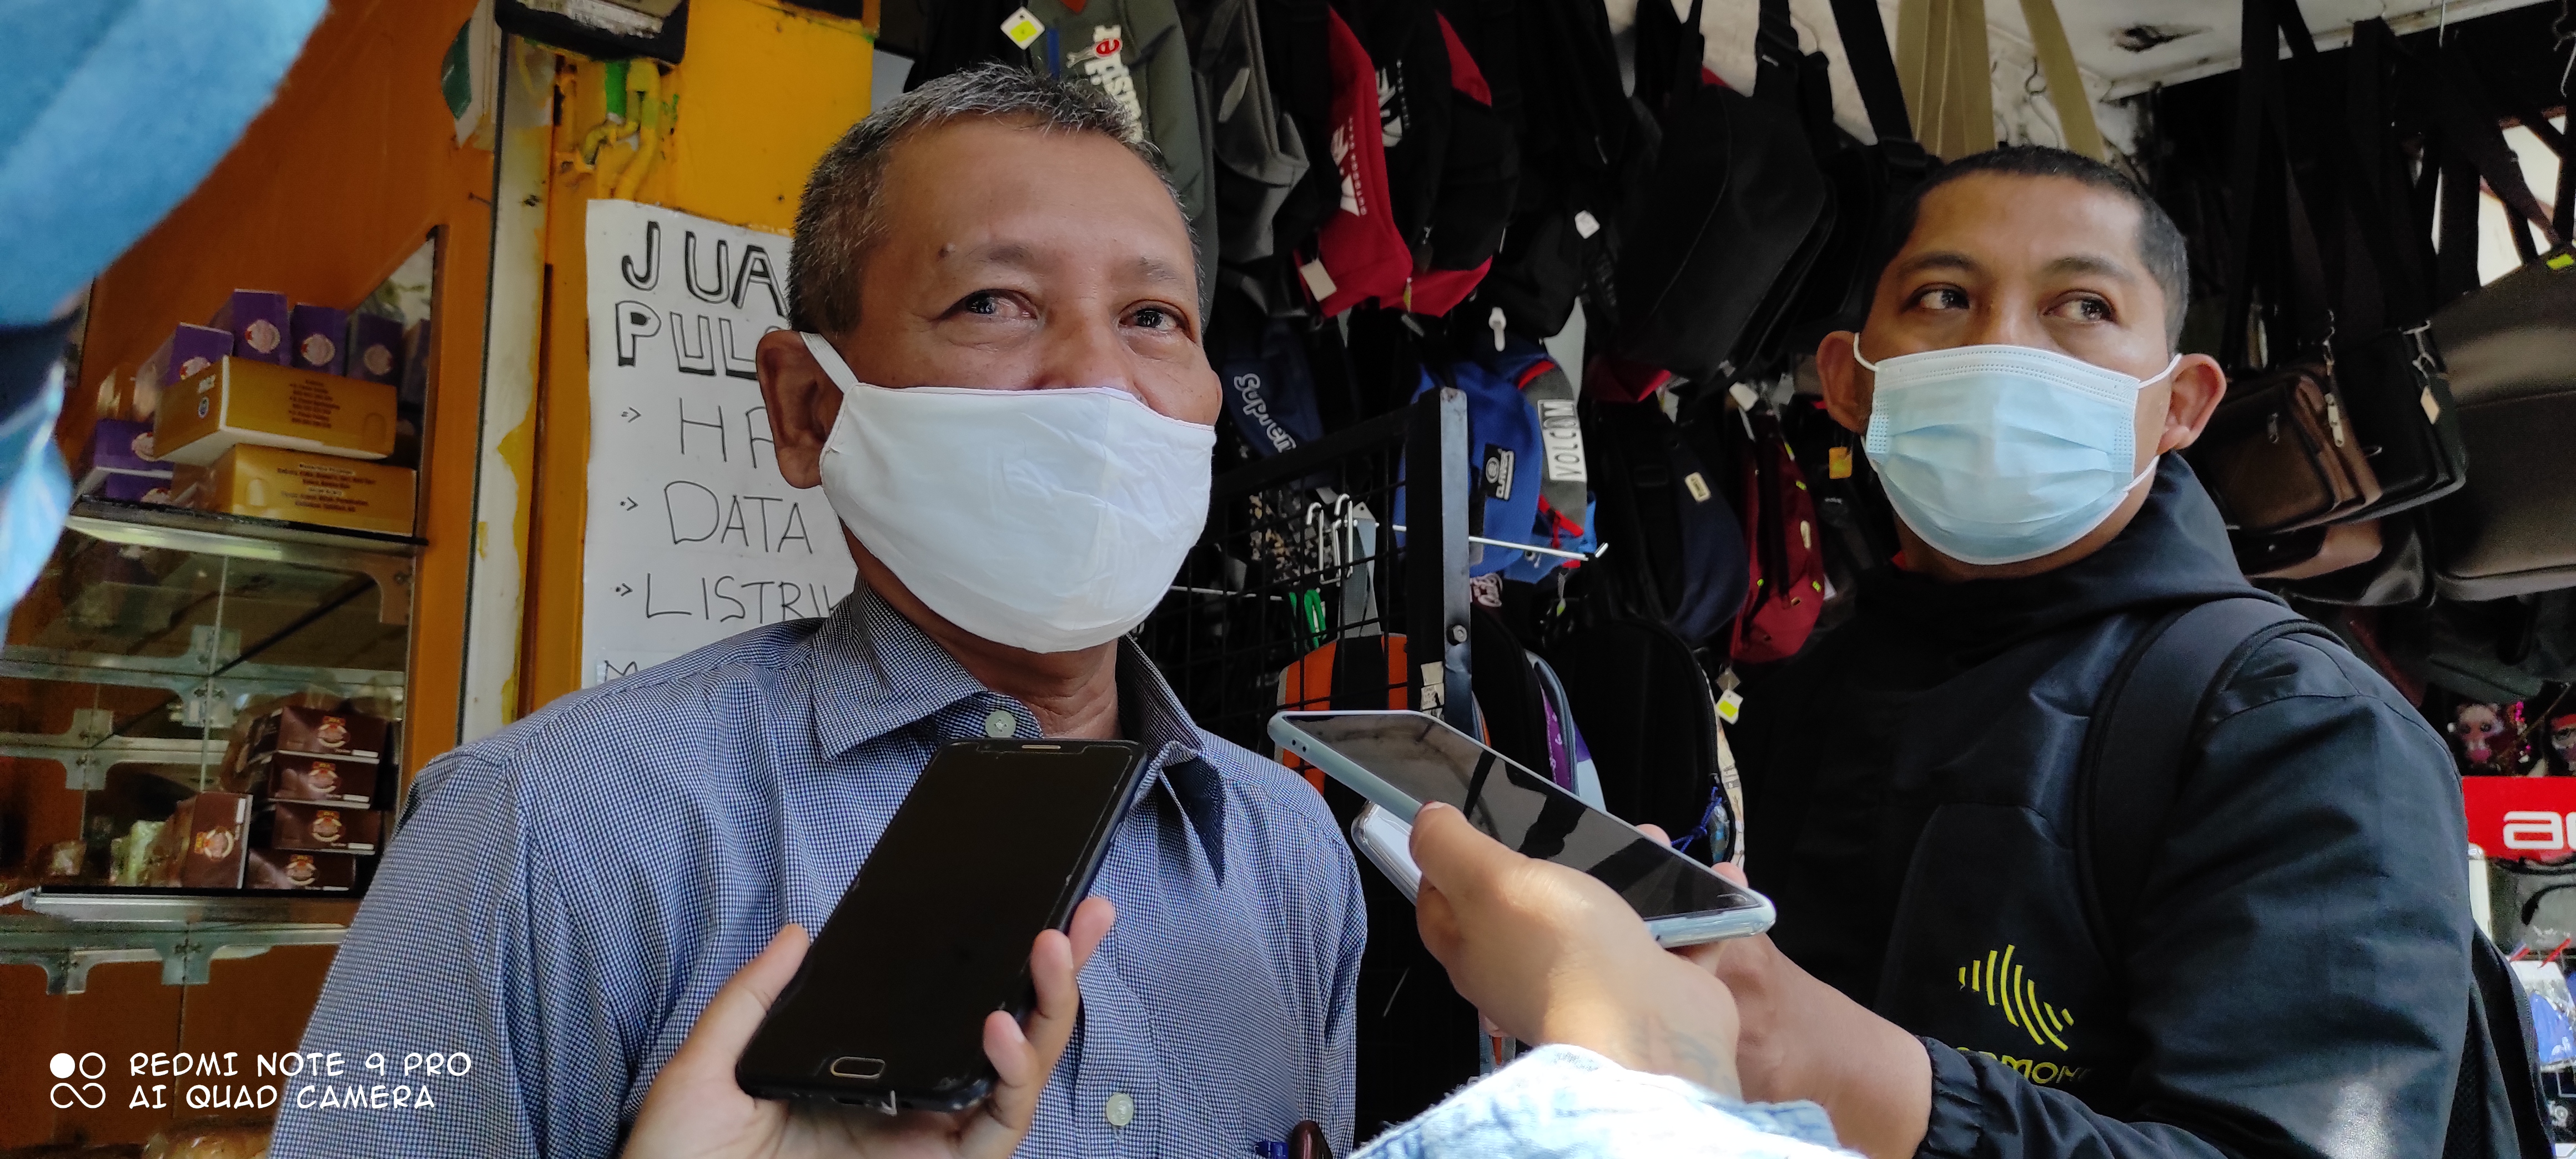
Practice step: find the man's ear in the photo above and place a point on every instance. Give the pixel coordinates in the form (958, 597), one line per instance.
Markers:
(2197, 385)
(802, 403)
(1847, 385)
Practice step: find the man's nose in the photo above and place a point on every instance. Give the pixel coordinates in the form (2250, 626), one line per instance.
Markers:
(1085, 350)
(2006, 324)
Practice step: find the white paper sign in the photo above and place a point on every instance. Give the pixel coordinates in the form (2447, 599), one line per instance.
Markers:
(693, 536)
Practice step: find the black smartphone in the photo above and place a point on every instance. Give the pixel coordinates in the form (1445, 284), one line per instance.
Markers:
(998, 840)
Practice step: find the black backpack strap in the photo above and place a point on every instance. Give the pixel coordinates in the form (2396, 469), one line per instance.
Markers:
(1873, 68)
(2145, 737)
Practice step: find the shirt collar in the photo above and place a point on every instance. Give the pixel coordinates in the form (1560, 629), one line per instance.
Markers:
(874, 672)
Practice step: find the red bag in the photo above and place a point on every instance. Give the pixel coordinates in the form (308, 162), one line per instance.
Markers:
(1359, 254)
(1786, 549)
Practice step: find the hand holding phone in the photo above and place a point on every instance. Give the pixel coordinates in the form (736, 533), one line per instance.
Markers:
(997, 840)
(697, 1110)
(1402, 760)
(1551, 955)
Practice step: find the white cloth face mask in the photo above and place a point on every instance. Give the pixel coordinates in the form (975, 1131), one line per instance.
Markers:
(1047, 520)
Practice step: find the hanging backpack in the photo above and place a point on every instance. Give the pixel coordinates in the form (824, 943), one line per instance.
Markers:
(1479, 172)
(1576, 128)
(1647, 711)
(1260, 157)
(1785, 547)
(1673, 552)
(1867, 182)
(1359, 252)
(1728, 212)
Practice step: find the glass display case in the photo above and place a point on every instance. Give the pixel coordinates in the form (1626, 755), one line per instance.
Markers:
(132, 674)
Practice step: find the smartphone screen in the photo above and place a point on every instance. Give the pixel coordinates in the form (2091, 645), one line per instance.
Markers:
(1420, 759)
(997, 841)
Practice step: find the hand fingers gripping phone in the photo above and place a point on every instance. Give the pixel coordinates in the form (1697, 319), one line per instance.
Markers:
(1398, 760)
(998, 840)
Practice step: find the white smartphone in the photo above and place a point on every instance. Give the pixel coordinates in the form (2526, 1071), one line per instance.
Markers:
(1398, 760)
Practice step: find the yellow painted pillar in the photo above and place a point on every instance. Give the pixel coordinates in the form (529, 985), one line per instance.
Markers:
(729, 134)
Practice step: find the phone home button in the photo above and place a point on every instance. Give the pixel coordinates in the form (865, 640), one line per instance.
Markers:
(855, 1067)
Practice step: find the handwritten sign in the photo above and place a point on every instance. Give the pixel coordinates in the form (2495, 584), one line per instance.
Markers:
(693, 536)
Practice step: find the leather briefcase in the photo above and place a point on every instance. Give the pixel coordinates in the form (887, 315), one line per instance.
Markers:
(2512, 530)
(2281, 454)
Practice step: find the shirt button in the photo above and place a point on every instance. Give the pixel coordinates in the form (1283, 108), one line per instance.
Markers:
(1120, 1110)
(1000, 724)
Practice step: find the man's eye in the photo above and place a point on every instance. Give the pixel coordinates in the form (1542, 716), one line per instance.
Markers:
(981, 302)
(1942, 298)
(1154, 318)
(2086, 310)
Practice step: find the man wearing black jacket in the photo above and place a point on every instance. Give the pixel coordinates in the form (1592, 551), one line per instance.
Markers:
(2294, 977)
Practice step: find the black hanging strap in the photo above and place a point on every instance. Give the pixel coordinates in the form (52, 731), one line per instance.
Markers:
(1873, 68)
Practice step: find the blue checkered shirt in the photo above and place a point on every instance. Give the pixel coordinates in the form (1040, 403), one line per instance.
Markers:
(565, 896)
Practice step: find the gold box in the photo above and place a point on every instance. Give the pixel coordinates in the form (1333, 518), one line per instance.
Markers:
(245, 402)
(276, 483)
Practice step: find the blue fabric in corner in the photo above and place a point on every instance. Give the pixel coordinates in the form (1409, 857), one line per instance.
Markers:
(111, 111)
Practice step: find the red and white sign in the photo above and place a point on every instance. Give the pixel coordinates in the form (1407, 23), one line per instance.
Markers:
(2521, 818)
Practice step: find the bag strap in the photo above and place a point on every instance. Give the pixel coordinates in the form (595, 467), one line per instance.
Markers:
(1873, 68)
(2265, 184)
(2065, 82)
(2144, 740)
(2470, 132)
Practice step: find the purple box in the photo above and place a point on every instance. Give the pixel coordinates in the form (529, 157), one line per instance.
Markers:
(375, 349)
(257, 320)
(130, 488)
(186, 351)
(111, 454)
(314, 336)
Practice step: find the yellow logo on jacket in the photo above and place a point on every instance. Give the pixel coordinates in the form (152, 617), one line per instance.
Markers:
(2003, 986)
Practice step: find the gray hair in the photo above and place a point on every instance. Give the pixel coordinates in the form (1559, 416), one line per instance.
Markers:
(839, 219)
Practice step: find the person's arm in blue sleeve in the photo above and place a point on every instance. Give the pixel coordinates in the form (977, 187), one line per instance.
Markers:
(1564, 1100)
(1341, 1031)
(461, 949)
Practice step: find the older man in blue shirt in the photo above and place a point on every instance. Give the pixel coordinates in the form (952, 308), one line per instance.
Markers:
(563, 898)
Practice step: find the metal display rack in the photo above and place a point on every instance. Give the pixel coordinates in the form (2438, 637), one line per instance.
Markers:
(150, 631)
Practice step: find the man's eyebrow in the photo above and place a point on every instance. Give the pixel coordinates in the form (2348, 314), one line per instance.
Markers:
(2094, 264)
(1938, 260)
(1001, 253)
(1155, 269)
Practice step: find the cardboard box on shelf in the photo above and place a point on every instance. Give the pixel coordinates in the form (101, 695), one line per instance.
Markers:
(321, 780)
(114, 393)
(314, 336)
(186, 351)
(134, 489)
(300, 486)
(295, 825)
(201, 846)
(298, 869)
(115, 451)
(257, 320)
(308, 731)
(237, 401)
(375, 349)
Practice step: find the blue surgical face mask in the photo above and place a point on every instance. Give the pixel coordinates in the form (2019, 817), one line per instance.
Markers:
(1999, 454)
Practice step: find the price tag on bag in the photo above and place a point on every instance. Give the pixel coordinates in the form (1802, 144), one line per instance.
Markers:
(1023, 27)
